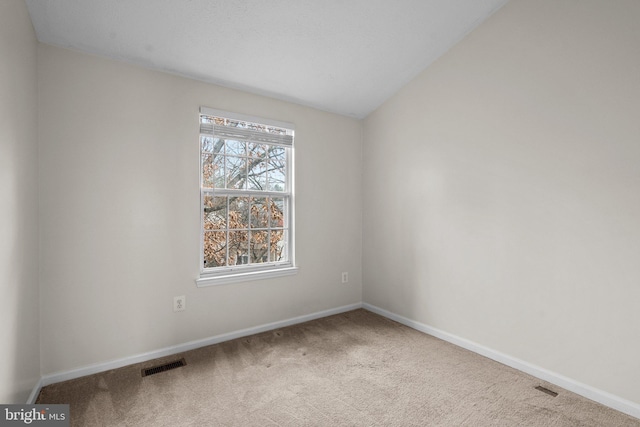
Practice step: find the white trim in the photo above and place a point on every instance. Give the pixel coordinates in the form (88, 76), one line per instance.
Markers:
(246, 118)
(600, 396)
(167, 351)
(291, 224)
(35, 392)
(235, 277)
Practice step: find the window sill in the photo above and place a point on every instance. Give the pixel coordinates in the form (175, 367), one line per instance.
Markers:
(225, 279)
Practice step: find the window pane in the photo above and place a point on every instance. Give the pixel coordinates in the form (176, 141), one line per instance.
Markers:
(207, 171)
(238, 247)
(210, 144)
(212, 171)
(277, 153)
(218, 146)
(236, 173)
(259, 246)
(215, 212)
(278, 246)
(238, 212)
(215, 249)
(257, 177)
(276, 175)
(236, 148)
(257, 150)
(206, 143)
(276, 206)
(259, 212)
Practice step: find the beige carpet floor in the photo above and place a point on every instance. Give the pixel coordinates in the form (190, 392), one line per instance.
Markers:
(352, 369)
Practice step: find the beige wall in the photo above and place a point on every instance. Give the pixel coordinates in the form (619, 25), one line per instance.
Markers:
(119, 212)
(501, 191)
(500, 194)
(19, 319)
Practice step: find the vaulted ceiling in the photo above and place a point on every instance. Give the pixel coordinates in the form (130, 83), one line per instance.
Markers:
(342, 56)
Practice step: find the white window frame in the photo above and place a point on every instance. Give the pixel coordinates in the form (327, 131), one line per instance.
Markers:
(242, 273)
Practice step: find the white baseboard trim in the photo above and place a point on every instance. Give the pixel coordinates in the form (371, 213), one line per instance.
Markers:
(167, 351)
(600, 396)
(35, 392)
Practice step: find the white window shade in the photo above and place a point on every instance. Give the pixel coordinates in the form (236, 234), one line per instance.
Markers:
(249, 135)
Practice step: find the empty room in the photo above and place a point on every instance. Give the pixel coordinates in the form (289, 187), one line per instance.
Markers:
(336, 213)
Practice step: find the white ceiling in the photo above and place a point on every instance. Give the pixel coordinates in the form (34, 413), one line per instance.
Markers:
(342, 56)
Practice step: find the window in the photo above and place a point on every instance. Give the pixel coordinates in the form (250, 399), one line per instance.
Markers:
(246, 198)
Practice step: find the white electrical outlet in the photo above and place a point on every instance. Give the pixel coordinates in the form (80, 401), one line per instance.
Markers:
(345, 277)
(179, 303)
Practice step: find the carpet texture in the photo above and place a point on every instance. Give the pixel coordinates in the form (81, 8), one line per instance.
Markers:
(352, 369)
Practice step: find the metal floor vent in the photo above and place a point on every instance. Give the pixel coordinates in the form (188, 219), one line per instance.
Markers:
(166, 367)
(546, 390)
